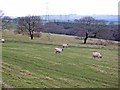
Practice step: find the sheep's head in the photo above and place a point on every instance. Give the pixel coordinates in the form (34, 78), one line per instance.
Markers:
(100, 56)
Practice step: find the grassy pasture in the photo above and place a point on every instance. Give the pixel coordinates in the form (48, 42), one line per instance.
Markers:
(34, 64)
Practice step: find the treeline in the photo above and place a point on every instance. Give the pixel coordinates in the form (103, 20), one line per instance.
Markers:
(100, 29)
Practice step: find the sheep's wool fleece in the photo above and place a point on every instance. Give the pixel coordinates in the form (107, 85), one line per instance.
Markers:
(96, 54)
(58, 49)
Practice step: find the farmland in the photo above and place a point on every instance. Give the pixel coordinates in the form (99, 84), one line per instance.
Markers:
(33, 63)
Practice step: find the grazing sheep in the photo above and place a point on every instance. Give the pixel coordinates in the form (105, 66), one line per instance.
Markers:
(2, 40)
(58, 50)
(96, 55)
(49, 33)
(65, 45)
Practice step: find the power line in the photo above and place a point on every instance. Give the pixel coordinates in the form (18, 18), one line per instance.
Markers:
(47, 12)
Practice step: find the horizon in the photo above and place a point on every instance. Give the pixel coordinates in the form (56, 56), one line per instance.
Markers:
(72, 17)
(66, 15)
(61, 7)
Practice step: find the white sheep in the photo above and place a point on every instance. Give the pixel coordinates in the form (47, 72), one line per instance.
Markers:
(2, 40)
(65, 45)
(96, 55)
(58, 50)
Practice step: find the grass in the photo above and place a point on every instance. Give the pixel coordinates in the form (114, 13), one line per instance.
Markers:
(34, 64)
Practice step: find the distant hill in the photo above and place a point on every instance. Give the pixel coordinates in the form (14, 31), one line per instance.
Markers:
(106, 17)
(75, 16)
(72, 17)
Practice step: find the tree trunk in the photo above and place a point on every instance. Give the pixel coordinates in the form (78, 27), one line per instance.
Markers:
(95, 35)
(86, 37)
(85, 40)
(31, 36)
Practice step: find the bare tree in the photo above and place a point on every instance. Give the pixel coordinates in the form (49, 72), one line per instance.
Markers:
(90, 27)
(87, 23)
(6, 22)
(1, 15)
(30, 24)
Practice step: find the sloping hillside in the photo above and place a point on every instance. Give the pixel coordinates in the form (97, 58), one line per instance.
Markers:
(34, 64)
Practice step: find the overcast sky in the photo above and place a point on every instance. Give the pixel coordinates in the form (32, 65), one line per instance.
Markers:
(61, 7)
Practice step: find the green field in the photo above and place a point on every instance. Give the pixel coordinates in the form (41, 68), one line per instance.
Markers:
(34, 64)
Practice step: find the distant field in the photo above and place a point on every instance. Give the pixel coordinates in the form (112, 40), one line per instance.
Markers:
(54, 39)
(34, 64)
